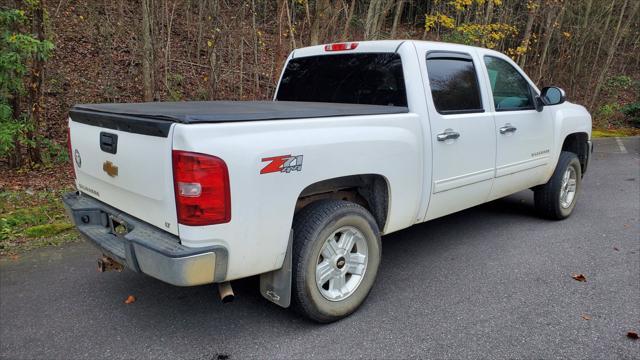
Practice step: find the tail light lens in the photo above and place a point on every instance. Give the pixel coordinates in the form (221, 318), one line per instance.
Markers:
(69, 149)
(340, 46)
(202, 189)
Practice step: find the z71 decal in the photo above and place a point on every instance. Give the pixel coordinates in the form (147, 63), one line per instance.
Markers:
(282, 163)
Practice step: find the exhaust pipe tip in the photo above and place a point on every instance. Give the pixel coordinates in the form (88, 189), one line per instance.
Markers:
(226, 292)
(101, 266)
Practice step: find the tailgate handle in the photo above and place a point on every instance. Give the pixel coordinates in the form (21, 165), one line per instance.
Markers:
(108, 142)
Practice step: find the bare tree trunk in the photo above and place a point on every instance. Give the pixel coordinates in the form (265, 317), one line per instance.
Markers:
(636, 50)
(329, 30)
(347, 23)
(147, 51)
(371, 21)
(581, 45)
(291, 33)
(315, 26)
(189, 20)
(618, 34)
(241, 81)
(307, 13)
(604, 32)
(15, 160)
(167, 49)
(241, 66)
(541, 30)
(548, 34)
(396, 18)
(256, 77)
(279, 47)
(200, 29)
(527, 32)
(35, 88)
(213, 75)
(319, 15)
(382, 16)
(489, 15)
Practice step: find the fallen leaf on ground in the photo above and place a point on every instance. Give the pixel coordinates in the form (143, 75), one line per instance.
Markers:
(130, 299)
(15, 257)
(616, 249)
(585, 317)
(579, 277)
(632, 335)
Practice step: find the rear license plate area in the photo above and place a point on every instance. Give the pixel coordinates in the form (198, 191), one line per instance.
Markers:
(118, 226)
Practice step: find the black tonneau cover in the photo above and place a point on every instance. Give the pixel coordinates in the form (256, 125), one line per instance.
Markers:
(155, 118)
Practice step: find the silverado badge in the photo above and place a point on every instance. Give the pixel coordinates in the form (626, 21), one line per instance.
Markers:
(110, 169)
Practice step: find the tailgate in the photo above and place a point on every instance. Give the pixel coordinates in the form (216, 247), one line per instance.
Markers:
(129, 171)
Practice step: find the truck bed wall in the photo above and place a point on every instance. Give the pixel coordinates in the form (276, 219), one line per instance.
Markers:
(262, 205)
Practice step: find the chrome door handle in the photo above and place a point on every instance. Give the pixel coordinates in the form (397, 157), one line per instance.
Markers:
(448, 134)
(508, 128)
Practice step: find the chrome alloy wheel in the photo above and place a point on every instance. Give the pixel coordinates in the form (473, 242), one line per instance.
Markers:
(341, 264)
(568, 187)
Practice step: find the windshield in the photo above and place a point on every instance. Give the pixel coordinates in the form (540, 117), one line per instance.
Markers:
(366, 78)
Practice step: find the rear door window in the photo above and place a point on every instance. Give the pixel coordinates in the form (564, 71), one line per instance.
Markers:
(454, 83)
(363, 78)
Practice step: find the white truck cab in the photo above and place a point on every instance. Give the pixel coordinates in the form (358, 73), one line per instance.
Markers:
(361, 139)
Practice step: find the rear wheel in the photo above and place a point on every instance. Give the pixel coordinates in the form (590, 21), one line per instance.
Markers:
(336, 254)
(557, 198)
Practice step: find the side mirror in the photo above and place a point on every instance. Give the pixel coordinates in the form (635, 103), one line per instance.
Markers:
(552, 95)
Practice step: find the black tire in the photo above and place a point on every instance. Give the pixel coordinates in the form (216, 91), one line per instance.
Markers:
(547, 196)
(312, 226)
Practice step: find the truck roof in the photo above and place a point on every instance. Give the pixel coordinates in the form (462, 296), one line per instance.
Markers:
(380, 46)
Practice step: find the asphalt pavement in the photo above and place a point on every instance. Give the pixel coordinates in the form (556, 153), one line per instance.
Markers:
(493, 281)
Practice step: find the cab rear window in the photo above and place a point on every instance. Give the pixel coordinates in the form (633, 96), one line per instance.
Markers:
(364, 78)
(454, 83)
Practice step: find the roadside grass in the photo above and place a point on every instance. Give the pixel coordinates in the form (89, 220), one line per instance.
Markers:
(33, 219)
(620, 132)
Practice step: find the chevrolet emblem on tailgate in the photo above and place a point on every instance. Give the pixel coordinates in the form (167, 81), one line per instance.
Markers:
(110, 169)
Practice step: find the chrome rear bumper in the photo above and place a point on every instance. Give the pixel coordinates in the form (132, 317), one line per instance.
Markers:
(142, 247)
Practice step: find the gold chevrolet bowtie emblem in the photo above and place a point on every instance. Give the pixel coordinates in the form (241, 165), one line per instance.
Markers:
(110, 169)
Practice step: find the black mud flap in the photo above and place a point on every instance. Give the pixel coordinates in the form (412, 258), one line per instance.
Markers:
(275, 285)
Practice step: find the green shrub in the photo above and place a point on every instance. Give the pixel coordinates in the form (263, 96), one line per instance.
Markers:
(17, 49)
(607, 111)
(632, 113)
(54, 153)
(619, 82)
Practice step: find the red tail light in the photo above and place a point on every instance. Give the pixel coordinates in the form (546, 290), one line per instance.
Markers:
(69, 149)
(341, 46)
(202, 189)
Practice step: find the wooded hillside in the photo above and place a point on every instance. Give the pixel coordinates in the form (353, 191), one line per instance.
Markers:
(159, 50)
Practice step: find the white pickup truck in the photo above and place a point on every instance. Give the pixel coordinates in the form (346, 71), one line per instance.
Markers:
(361, 139)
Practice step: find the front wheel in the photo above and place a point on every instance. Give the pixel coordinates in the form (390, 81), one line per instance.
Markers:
(336, 254)
(557, 198)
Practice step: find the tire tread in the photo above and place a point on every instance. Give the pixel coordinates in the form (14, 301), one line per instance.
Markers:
(546, 196)
(307, 223)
